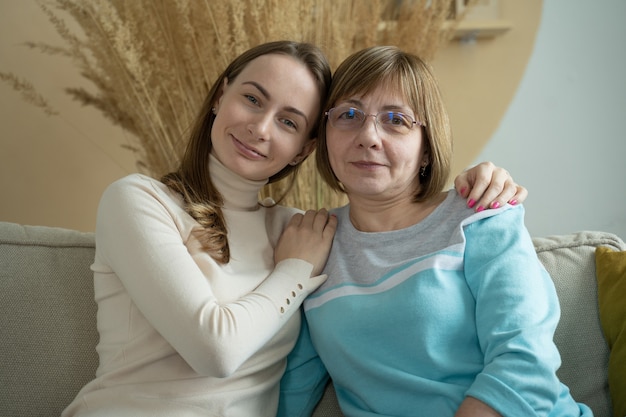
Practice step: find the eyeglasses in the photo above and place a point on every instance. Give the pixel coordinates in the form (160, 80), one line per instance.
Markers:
(351, 118)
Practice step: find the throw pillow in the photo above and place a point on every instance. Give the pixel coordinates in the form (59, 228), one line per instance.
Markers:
(611, 274)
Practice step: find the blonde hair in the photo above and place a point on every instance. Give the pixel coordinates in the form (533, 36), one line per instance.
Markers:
(192, 180)
(363, 72)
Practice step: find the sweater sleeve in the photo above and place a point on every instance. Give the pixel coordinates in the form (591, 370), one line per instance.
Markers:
(139, 238)
(517, 312)
(304, 380)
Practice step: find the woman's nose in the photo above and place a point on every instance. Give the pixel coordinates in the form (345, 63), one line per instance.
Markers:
(261, 126)
(368, 136)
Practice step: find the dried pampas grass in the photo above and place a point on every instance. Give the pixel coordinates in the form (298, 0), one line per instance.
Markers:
(153, 61)
(28, 92)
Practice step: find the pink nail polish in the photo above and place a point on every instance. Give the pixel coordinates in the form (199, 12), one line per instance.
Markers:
(462, 192)
(495, 205)
(471, 203)
(479, 209)
(513, 202)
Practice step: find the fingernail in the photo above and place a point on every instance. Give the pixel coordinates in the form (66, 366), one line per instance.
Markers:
(513, 202)
(463, 191)
(495, 205)
(471, 203)
(479, 209)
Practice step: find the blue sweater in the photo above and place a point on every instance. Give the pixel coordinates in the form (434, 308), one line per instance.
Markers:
(412, 321)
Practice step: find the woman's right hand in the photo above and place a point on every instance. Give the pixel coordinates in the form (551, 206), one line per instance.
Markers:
(309, 237)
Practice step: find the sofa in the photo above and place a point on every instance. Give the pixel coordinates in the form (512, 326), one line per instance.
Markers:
(48, 318)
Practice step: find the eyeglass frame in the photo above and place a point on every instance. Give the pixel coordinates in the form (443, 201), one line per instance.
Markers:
(374, 115)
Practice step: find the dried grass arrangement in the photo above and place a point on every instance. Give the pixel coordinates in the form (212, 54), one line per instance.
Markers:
(152, 61)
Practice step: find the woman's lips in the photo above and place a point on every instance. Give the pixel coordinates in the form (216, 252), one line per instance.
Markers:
(367, 164)
(247, 150)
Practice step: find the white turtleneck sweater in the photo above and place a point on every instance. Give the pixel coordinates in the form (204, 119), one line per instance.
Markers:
(181, 335)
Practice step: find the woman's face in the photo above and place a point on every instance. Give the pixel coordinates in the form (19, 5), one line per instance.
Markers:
(264, 117)
(370, 162)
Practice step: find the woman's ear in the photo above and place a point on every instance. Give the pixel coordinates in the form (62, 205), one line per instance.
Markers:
(425, 158)
(220, 94)
(307, 149)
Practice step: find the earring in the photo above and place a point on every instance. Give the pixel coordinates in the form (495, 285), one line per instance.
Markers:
(296, 161)
(423, 171)
(214, 110)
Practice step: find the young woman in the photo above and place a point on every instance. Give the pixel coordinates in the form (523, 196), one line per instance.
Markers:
(198, 285)
(430, 308)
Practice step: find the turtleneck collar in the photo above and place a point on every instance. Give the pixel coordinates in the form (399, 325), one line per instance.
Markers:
(239, 193)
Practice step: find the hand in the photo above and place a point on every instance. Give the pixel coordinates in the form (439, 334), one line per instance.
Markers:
(488, 186)
(309, 237)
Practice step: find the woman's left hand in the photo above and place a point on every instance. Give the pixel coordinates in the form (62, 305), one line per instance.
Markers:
(488, 186)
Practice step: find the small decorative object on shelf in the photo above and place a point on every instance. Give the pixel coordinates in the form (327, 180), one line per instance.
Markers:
(482, 20)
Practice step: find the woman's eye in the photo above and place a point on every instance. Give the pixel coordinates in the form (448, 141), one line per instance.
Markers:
(290, 123)
(348, 115)
(251, 99)
(396, 119)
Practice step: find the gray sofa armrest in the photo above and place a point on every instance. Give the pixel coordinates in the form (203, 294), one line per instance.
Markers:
(47, 318)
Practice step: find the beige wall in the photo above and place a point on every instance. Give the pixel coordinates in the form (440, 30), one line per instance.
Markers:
(53, 169)
(480, 79)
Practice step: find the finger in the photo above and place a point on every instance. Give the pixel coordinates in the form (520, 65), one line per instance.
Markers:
(308, 219)
(295, 221)
(496, 192)
(511, 193)
(466, 180)
(520, 195)
(476, 195)
(478, 179)
(461, 184)
(489, 202)
(331, 227)
(508, 191)
(320, 220)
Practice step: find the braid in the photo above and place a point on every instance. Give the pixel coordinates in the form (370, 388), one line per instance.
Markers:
(209, 215)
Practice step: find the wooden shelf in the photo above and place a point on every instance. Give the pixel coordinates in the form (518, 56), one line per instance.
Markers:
(481, 29)
(469, 29)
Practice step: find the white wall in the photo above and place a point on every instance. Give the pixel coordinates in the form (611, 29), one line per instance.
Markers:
(564, 134)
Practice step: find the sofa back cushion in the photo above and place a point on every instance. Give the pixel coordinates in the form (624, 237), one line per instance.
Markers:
(47, 318)
(570, 260)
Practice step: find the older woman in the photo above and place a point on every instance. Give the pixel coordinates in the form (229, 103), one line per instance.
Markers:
(430, 308)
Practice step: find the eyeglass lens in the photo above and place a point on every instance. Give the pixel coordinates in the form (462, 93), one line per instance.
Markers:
(351, 118)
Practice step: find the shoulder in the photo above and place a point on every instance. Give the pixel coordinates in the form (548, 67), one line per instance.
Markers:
(277, 211)
(137, 194)
(143, 203)
(277, 217)
(455, 207)
(498, 229)
(135, 182)
(138, 187)
(453, 219)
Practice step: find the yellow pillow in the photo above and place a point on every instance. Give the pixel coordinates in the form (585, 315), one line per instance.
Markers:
(611, 273)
